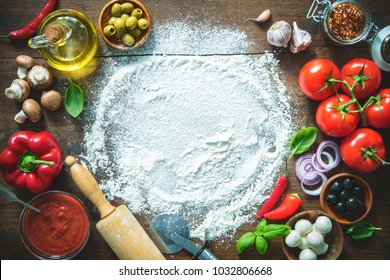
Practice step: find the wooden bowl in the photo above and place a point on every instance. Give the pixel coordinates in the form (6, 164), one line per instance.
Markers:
(112, 41)
(334, 238)
(340, 217)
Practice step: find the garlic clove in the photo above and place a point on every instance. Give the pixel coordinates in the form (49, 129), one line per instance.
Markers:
(300, 40)
(279, 34)
(264, 16)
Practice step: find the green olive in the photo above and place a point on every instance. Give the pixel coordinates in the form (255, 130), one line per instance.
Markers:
(127, 7)
(128, 40)
(109, 30)
(116, 10)
(111, 20)
(136, 33)
(119, 24)
(131, 23)
(119, 34)
(143, 24)
(125, 17)
(137, 13)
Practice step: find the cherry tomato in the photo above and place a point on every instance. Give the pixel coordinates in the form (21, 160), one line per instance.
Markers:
(360, 149)
(336, 122)
(378, 114)
(314, 76)
(371, 71)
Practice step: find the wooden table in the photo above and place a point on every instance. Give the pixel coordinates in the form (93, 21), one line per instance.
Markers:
(15, 14)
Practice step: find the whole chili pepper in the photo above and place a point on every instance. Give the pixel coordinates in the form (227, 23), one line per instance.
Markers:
(279, 189)
(31, 160)
(286, 209)
(31, 29)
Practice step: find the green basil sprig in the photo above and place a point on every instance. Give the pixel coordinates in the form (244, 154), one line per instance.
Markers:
(260, 236)
(362, 230)
(302, 140)
(74, 99)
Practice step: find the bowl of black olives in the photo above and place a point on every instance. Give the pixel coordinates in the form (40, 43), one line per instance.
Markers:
(124, 24)
(347, 198)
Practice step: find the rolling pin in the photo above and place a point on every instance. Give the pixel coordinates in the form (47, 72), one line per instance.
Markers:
(117, 225)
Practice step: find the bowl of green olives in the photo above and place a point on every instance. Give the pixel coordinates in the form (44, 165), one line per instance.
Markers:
(347, 198)
(125, 24)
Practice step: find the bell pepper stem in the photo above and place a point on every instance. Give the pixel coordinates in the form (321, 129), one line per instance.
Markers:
(29, 162)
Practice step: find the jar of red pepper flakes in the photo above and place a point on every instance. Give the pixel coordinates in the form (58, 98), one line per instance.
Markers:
(348, 22)
(60, 231)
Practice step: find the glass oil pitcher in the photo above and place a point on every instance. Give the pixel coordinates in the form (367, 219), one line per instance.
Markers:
(67, 40)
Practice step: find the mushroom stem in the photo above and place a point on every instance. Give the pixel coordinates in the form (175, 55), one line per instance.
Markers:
(20, 117)
(22, 73)
(14, 91)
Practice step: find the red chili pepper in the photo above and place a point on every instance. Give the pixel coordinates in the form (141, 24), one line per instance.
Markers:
(286, 209)
(279, 189)
(31, 29)
(31, 160)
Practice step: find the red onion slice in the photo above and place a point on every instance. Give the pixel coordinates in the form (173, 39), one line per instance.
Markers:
(321, 168)
(320, 151)
(303, 167)
(317, 191)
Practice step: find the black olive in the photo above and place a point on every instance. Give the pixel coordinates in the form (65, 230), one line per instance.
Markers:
(344, 195)
(340, 207)
(336, 188)
(361, 207)
(358, 192)
(331, 199)
(351, 215)
(349, 185)
(352, 203)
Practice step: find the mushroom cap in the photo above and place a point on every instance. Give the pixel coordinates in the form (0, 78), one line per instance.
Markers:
(13, 90)
(32, 110)
(25, 61)
(39, 77)
(51, 100)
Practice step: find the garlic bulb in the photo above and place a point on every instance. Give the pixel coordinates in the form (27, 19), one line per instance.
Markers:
(279, 34)
(300, 40)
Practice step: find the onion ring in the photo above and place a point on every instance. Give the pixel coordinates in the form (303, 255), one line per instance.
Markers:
(303, 166)
(320, 151)
(317, 166)
(317, 191)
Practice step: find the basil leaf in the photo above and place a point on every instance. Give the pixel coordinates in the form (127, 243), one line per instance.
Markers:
(362, 230)
(261, 225)
(302, 140)
(74, 99)
(272, 231)
(245, 241)
(261, 245)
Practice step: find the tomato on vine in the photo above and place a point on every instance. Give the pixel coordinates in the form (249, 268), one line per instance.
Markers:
(314, 78)
(363, 150)
(363, 76)
(378, 113)
(336, 116)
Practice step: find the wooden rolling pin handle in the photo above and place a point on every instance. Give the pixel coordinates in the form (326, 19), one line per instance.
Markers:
(88, 185)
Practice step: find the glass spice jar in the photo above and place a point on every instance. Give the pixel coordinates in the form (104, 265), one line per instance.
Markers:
(347, 22)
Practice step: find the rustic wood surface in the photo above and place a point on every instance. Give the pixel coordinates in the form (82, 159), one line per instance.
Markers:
(15, 14)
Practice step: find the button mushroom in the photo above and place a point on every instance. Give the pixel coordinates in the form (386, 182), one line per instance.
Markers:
(19, 90)
(51, 100)
(25, 63)
(30, 110)
(39, 77)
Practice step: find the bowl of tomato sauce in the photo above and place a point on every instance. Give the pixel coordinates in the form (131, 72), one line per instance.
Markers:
(60, 231)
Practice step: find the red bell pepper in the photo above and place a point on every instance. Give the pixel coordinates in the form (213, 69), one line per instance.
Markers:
(31, 160)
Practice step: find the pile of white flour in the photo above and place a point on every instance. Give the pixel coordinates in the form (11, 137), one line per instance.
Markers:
(203, 136)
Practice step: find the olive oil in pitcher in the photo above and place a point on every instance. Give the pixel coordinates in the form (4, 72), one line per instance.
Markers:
(67, 40)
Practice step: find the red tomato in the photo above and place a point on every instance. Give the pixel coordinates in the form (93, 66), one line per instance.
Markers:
(331, 120)
(313, 78)
(378, 115)
(371, 71)
(360, 149)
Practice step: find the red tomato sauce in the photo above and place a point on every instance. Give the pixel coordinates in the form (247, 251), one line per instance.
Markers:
(61, 228)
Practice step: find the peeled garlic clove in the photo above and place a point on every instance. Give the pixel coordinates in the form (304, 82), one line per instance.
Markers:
(264, 16)
(279, 34)
(300, 40)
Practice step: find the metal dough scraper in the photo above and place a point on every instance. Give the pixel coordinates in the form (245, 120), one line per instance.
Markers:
(170, 233)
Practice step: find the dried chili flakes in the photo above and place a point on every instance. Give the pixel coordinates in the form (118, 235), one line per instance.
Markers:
(346, 21)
